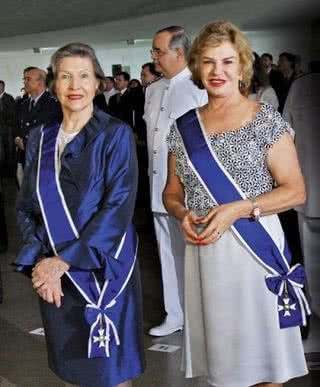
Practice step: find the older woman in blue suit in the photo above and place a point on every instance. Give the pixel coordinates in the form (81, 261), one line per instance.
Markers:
(74, 211)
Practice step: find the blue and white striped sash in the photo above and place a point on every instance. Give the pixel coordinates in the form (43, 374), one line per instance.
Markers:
(283, 281)
(61, 228)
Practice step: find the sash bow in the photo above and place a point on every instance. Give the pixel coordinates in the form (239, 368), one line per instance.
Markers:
(102, 331)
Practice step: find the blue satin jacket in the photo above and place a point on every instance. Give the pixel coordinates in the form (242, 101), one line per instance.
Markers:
(99, 181)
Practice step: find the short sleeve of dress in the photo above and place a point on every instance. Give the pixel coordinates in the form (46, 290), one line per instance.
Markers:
(173, 140)
(275, 127)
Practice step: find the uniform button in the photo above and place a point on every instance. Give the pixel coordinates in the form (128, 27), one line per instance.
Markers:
(156, 129)
(162, 109)
(27, 123)
(154, 152)
(167, 88)
(154, 172)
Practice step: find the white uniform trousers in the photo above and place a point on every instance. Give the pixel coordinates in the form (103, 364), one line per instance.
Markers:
(310, 241)
(171, 247)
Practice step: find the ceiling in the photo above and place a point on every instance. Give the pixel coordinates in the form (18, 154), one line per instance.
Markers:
(45, 23)
(20, 17)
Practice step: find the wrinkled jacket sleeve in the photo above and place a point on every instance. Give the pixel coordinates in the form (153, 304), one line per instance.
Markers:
(33, 232)
(99, 240)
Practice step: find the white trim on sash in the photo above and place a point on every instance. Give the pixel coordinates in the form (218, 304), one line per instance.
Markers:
(104, 336)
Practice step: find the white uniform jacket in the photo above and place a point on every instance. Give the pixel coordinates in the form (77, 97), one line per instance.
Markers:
(166, 100)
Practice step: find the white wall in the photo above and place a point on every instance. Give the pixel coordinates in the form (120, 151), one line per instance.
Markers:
(12, 63)
(296, 40)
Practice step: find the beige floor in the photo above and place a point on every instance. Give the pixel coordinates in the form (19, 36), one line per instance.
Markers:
(23, 356)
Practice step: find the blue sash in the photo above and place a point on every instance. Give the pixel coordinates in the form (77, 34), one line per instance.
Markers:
(285, 282)
(61, 228)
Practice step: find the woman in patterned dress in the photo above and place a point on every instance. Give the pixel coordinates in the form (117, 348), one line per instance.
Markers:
(232, 332)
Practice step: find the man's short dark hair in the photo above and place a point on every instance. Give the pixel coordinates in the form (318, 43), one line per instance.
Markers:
(268, 55)
(110, 78)
(290, 58)
(2, 83)
(125, 75)
(152, 68)
(29, 68)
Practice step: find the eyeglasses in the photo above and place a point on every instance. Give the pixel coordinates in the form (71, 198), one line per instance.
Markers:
(158, 52)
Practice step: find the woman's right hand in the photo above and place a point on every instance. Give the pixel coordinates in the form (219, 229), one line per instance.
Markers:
(188, 223)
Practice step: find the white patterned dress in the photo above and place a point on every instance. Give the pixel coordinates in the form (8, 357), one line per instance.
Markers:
(232, 332)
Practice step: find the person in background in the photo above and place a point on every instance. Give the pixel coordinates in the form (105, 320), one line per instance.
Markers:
(149, 74)
(298, 66)
(41, 107)
(134, 84)
(286, 76)
(302, 112)
(167, 99)
(261, 90)
(270, 68)
(109, 89)
(100, 101)
(121, 104)
(241, 312)
(7, 126)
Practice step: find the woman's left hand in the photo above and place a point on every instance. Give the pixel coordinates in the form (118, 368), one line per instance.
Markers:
(48, 271)
(218, 220)
(51, 293)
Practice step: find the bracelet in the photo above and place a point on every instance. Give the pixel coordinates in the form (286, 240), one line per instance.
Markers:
(256, 212)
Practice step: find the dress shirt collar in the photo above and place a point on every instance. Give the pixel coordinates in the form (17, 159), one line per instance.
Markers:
(1, 95)
(36, 99)
(185, 73)
(110, 92)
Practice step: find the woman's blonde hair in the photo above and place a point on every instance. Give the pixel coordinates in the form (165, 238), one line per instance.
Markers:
(213, 35)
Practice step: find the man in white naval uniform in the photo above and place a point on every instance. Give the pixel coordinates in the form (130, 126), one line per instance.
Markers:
(166, 100)
(302, 112)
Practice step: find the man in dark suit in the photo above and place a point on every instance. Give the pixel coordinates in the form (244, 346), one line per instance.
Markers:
(121, 104)
(7, 117)
(40, 108)
(286, 76)
(7, 122)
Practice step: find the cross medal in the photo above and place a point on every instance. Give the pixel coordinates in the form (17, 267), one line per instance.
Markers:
(286, 307)
(101, 339)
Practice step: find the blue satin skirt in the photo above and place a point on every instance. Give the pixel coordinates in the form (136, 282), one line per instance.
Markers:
(67, 335)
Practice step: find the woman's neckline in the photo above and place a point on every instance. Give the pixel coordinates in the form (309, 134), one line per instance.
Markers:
(68, 134)
(233, 130)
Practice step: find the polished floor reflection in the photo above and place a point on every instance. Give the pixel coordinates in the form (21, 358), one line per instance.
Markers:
(23, 360)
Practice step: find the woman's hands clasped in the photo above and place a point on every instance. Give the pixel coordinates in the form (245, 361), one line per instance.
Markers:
(218, 220)
(46, 279)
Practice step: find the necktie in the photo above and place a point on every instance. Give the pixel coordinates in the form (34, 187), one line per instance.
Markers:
(31, 106)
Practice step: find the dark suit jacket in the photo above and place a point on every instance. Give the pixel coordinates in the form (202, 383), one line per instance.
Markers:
(122, 107)
(47, 109)
(7, 112)
(129, 108)
(281, 86)
(7, 124)
(100, 102)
